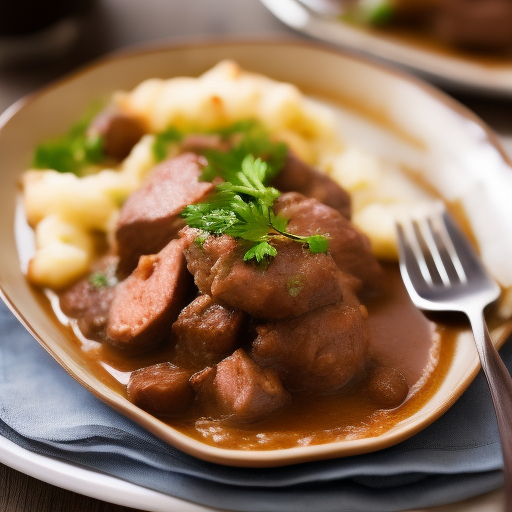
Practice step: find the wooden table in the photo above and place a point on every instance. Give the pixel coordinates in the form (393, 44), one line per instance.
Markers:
(113, 24)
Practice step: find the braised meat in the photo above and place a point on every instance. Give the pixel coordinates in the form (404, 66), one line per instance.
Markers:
(320, 351)
(89, 300)
(207, 332)
(150, 217)
(146, 304)
(204, 254)
(349, 248)
(162, 389)
(242, 390)
(201, 142)
(119, 131)
(295, 282)
(297, 176)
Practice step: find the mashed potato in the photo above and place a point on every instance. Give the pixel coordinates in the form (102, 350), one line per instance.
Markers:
(66, 210)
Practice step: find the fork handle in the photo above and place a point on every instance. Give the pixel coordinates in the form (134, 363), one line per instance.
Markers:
(500, 385)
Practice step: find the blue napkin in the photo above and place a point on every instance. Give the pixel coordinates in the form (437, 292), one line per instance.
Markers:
(46, 411)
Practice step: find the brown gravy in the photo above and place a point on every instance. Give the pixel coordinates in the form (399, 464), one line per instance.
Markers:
(402, 337)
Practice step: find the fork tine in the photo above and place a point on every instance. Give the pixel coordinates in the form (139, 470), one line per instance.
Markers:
(410, 252)
(426, 231)
(438, 225)
(469, 259)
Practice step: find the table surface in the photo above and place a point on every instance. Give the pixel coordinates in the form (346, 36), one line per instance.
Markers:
(112, 24)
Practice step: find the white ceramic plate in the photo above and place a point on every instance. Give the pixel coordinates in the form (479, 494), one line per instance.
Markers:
(91, 483)
(402, 118)
(113, 490)
(450, 68)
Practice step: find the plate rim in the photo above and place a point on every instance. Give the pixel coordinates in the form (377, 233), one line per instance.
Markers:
(77, 478)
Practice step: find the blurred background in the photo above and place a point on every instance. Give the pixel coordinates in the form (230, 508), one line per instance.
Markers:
(36, 49)
(43, 41)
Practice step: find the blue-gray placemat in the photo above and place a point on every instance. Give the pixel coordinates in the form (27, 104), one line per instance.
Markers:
(44, 410)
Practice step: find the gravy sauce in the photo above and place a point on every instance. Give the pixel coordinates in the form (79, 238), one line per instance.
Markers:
(401, 337)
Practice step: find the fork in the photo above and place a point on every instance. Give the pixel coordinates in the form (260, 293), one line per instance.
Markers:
(442, 272)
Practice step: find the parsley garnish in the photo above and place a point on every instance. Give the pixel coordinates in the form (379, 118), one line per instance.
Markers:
(242, 208)
(98, 280)
(249, 138)
(104, 279)
(163, 141)
(71, 152)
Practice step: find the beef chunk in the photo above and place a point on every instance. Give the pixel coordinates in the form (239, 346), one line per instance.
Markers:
(476, 24)
(147, 303)
(387, 387)
(349, 248)
(201, 142)
(297, 176)
(204, 255)
(206, 331)
(119, 131)
(202, 381)
(320, 351)
(89, 300)
(242, 390)
(162, 389)
(292, 283)
(150, 218)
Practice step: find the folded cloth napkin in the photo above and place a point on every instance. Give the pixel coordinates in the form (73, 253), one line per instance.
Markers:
(44, 410)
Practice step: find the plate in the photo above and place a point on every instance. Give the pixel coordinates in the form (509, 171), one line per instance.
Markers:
(91, 483)
(447, 67)
(113, 490)
(399, 117)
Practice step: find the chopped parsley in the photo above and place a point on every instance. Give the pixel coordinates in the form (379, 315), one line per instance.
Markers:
(71, 152)
(200, 240)
(98, 280)
(104, 279)
(247, 136)
(163, 141)
(242, 208)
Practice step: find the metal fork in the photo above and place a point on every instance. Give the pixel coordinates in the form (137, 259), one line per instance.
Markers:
(442, 272)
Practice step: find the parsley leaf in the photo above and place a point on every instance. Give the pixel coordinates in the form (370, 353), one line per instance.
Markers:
(242, 209)
(248, 138)
(163, 141)
(260, 251)
(98, 280)
(317, 243)
(71, 152)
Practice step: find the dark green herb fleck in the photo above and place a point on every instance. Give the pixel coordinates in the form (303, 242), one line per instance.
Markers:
(248, 138)
(99, 280)
(200, 240)
(73, 151)
(163, 142)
